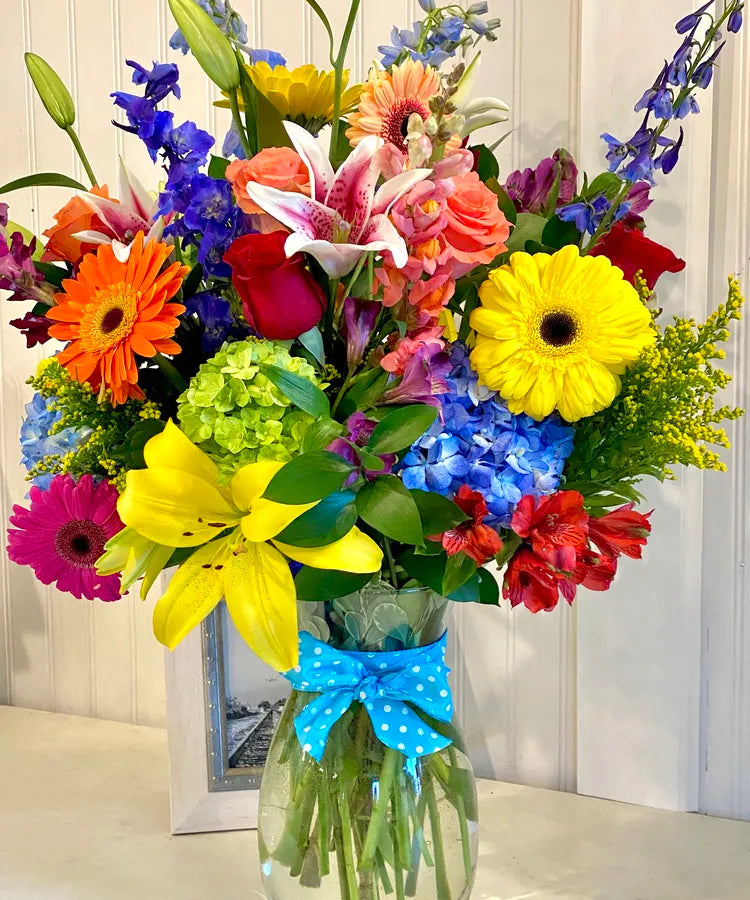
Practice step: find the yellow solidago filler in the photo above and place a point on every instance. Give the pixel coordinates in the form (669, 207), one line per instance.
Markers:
(177, 501)
(665, 414)
(303, 95)
(556, 332)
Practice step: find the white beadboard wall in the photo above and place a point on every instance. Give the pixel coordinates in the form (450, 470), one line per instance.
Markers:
(612, 695)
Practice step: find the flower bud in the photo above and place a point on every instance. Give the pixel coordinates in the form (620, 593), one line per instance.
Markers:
(52, 92)
(208, 44)
(478, 9)
(427, 5)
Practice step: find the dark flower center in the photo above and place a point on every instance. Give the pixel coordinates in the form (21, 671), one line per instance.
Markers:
(112, 319)
(558, 329)
(396, 121)
(80, 543)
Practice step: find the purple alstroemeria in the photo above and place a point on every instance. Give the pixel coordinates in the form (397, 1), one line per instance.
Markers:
(424, 378)
(34, 328)
(17, 271)
(360, 430)
(345, 217)
(530, 189)
(360, 317)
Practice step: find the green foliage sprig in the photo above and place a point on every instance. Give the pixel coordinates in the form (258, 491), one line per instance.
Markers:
(665, 414)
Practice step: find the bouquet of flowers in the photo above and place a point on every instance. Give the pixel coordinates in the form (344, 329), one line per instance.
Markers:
(333, 373)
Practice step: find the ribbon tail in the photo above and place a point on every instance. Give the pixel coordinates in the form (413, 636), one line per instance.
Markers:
(313, 724)
(397, 726)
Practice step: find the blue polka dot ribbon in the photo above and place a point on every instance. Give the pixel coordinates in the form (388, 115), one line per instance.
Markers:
(385, 683)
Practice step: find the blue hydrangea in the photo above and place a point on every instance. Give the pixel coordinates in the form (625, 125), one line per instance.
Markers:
(37, 442)
(480, 443)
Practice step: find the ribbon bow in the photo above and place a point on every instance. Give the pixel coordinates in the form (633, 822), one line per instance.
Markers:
(381, 682)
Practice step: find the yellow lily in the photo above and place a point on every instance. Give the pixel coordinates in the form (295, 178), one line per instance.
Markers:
(134, 556)
(177, 501)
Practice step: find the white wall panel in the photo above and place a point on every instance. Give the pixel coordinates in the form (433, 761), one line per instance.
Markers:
(570, 69)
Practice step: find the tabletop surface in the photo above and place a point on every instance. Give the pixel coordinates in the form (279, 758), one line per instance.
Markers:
(84, 815)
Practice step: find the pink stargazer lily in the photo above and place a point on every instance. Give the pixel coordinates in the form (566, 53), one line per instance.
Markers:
(345, 216)
(124, 219)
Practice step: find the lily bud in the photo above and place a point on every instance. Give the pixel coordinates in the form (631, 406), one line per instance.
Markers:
(52, 92)
(207, 43)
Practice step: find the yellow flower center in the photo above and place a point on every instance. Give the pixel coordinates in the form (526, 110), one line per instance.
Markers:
(111, 318)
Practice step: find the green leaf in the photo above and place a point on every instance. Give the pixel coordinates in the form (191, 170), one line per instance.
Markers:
(607, 184)
(191, 284)
(427, 570)
(400, 427)
(42, 179)
(511, 543)
(386, 505)
(303, 393)
(368, 460)
(318, 585)
(364, 393)
(507, 206)
(320, 434)
(325, 523)
(487, 165)
(438, 513)
(130, 451)
(489, 589)
(271, 131)
(52, 92)
(343, 148)
(309, 477)
(312, 341)
(528, 228)
(559, 234)
(458, 570)
(52, 274)
(218, 166)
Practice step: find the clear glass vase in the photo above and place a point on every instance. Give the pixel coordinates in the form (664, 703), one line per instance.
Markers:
(365, 822)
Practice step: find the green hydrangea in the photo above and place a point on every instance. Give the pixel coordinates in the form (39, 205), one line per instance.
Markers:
(236, 415)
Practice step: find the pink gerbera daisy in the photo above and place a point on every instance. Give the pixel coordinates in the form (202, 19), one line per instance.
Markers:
(63, 534)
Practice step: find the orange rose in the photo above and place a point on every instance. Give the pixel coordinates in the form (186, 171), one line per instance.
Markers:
(74, 217)
(278, 167)
(477, 229)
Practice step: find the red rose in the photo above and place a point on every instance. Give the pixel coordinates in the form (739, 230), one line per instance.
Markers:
(633, 252)
(280, 298)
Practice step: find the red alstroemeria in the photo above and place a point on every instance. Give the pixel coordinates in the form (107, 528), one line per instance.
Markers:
(531, 581)
(556, 526)
(594, 571)
(474, 538)
(622, 531)
(633, 252)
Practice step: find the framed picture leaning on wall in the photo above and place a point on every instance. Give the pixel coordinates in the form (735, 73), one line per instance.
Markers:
(223, 705)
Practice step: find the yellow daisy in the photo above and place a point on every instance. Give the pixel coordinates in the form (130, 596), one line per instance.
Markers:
(303, 95)
(556, 332)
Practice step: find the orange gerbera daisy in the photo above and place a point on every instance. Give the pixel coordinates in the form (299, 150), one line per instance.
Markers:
(389, 98)
(113, 310)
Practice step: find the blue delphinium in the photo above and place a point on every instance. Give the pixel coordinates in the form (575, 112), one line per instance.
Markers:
(37, 441)
(480, 443)
(439, 35)
(210, 219)
(672, 96)
(229, 21)
(215, 316)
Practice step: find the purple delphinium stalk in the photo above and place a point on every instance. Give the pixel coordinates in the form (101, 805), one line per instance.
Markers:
(216, 320)
(672, 96)
(229, 21)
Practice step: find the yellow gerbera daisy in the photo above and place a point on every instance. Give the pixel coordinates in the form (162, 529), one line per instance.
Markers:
(303, 95)
(556, 332)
